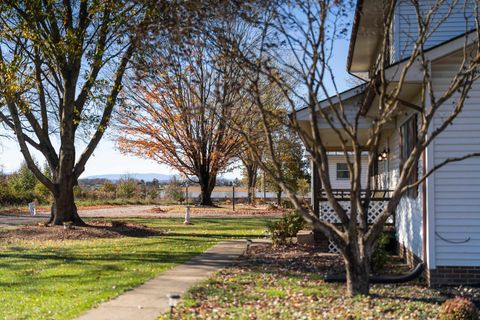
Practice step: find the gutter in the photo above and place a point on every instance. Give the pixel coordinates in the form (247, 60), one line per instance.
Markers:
(353, 37)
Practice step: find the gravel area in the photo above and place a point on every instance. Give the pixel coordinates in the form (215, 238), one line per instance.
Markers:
(16, 217)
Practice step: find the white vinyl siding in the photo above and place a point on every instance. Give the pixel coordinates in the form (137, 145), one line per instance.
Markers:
(350, 111)
(457, 185)
(408, 215)
(445, 25)
(333, 160)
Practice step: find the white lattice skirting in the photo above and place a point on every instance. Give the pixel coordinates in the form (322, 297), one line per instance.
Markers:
(327, 213)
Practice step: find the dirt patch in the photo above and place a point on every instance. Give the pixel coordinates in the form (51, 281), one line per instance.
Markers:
(217, 211)
(94, 230)
(157, 210)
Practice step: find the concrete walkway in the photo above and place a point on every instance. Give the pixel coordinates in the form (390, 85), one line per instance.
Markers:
(149, 300)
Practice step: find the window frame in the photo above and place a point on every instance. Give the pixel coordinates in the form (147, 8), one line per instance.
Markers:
(342, 170)
(408, 139)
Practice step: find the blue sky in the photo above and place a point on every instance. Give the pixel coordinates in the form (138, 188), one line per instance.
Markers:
(107, 159)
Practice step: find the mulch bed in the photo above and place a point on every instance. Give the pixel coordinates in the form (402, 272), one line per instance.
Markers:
(94, 230)
(294, 258)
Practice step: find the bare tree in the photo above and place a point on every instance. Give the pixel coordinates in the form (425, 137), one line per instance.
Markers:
(61, 70)
(298, 43)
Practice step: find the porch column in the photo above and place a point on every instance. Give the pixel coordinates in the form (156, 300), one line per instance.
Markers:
(315, 188)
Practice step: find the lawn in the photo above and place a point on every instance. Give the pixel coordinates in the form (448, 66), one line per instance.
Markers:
(61, 279)
(279, 286)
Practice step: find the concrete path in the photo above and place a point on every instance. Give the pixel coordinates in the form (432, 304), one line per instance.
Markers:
(149, 300)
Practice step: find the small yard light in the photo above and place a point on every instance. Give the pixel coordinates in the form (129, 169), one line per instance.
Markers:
(249, 243)
(173, 299)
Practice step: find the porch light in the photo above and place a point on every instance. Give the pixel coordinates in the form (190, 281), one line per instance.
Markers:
(384, 155)
(173, 299)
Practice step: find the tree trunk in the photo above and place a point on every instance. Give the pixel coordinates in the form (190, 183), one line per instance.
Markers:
(279, 198)
(357, 266)
(64, 208)
(206, 195)
(207, 183)
(252, 182)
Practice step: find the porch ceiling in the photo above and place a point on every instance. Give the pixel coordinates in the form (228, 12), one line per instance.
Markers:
(331, 137)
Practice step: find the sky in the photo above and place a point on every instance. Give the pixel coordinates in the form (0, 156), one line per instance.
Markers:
(108, 160)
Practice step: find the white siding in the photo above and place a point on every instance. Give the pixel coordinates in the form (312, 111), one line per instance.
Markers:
(445, 25)
(350, 110)
(457, 185)
(343, 183)
(408, 215)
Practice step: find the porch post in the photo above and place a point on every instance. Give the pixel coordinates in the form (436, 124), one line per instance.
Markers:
(315, 189)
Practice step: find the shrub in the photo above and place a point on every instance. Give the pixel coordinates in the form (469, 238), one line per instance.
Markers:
(380, 256)
(285, 228)
(174, 191)
(287, 204)
(127, 189)
(458, 309)
(152, 192)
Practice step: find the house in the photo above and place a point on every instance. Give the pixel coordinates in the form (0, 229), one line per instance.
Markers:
(339, 173)
(438, 222)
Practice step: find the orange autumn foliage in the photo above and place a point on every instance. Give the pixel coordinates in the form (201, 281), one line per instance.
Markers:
(181, 120)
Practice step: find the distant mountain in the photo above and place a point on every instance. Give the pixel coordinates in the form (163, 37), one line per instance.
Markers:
(137, 176)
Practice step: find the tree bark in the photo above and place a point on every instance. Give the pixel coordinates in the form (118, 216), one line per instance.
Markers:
(205, 195)
(251, 183)
(65, 210)
(207, 183)
(357, 266)
(279, 198)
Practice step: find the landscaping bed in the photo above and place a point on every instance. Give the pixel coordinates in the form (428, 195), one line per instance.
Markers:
(287, 283)
(94, 229)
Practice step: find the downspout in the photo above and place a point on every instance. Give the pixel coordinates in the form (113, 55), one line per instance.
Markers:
(424, 209)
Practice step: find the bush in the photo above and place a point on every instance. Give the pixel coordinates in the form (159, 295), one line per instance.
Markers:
(127, 189)
(458, 309)
(380, 256)
(152, 193)
(174, 191)
(285, 228)
(287, 204)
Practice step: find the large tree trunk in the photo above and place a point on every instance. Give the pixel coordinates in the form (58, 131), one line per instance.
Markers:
(251, 183)
(64, 208)
(207, 183)
(205, 195)
(357, 266)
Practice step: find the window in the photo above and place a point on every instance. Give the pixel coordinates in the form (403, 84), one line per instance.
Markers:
(408, 134)
(342, 171)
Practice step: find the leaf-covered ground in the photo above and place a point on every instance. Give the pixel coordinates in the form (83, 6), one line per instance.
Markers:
(286, 283)
(52, 279)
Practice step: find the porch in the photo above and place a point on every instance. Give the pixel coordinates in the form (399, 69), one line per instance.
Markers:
(377, 204)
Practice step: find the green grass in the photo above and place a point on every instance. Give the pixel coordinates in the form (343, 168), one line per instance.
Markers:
(60, 280)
